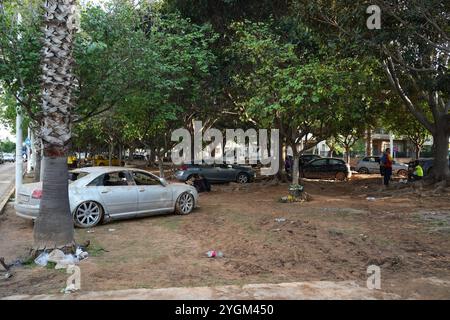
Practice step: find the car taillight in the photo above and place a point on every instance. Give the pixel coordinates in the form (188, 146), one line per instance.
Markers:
(37, 194)
(184, 167)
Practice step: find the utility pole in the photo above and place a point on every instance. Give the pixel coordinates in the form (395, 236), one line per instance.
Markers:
(19, 158)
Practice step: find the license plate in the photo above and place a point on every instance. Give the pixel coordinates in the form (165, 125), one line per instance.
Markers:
(23, 198)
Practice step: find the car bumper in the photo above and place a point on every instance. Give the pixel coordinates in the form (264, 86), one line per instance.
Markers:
(26, 211)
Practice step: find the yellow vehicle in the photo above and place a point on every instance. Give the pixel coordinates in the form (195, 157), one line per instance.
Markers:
(100, 160)
(72, 161)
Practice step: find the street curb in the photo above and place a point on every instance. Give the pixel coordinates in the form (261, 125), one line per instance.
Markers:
(5, 201)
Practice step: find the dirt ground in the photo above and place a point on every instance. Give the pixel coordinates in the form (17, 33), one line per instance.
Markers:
(334, 237)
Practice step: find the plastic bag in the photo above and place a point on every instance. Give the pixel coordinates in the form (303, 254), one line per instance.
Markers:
(42, 259)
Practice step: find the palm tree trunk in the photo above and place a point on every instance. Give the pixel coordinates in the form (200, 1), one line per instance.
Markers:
(54, 225)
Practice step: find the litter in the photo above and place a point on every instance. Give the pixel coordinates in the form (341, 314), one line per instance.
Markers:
(214, 254)
(42, 259)
(370, 199)
(280, 219)
(8, 275)
(90, 231)
(62, 260)
(111, 230)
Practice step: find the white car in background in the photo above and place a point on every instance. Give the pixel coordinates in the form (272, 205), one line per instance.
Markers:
(99, 194)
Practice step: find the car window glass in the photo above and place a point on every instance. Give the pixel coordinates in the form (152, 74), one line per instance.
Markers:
(111, 179)
(367, 159)
(144, 179)
(319, 163)
(335, 161)
(73, 176)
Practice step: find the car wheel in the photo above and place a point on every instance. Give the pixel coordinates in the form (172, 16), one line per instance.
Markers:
(402, 173)
(88, 214)
(242, 178)
(185, 203)
(340, 176)
(363, 170)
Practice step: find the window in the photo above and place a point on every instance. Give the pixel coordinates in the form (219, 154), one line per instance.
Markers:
(318, 163)
(111, 179)
(74, 176)
(145, 179)
(367, 159)
(336, 162)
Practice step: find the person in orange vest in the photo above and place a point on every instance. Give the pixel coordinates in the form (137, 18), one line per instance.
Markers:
(386, 163)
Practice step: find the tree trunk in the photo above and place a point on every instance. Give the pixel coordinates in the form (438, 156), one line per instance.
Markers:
(295, 171)
(160, 166)
(54, 226)
(440, 165)
(120, 155)
(110, 154)
(417, 150)
(37, 168)
(347, 154)
(369, 149)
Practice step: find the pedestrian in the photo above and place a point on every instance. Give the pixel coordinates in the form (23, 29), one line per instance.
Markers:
(418, 172)
(386, 166)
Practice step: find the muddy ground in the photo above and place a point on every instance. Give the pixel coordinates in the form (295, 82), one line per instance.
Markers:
(334, 237)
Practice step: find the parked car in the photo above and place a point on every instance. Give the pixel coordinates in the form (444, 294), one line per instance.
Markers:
(305, 158)
(217, 173)
(99, 194)
(9, 157)
(372, 165)
(427, 165)
(326, 168)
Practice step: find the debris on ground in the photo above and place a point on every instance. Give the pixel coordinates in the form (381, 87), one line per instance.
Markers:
(214, 254)
(42, 259)
(370, 199)
(62, 260)
(280, 219)
(111, 230)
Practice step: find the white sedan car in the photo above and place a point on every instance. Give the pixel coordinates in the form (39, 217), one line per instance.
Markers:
(99, 194)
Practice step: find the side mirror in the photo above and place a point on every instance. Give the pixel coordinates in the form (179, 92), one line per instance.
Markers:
(163, 182)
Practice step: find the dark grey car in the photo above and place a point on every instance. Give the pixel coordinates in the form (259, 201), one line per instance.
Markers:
(217, 173)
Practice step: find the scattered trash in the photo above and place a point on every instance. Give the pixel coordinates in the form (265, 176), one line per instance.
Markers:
(80, 254)
(90, 231)
(42, 259)
(8, 275)
(111, 230)
(62, 260)
(403, 181)
(214, 254)
(280, 219)
(370, 199)
(69, 289)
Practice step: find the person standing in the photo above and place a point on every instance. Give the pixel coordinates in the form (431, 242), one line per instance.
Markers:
(386, 163)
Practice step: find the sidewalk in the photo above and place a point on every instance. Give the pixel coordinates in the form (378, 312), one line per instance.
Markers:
(311, 290)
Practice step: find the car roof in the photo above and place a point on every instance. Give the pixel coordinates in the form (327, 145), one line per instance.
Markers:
(104, 169)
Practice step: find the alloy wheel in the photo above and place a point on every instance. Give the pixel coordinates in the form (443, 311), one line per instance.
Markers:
(88, 214)
(186, 203)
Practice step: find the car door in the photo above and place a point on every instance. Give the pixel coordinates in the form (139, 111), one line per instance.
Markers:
(152, 195)
(210, 172)
(118, 193)
(374, 165)
(316, 169)
(226, 172)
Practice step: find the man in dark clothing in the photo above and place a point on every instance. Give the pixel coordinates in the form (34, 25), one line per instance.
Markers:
(386, 166)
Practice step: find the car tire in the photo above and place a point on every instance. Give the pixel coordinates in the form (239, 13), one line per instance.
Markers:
(242, 178)
(88, 214)
(185, 204)
(363, 170)
(340, 176)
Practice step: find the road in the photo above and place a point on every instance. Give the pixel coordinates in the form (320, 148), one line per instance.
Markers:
(7, 179)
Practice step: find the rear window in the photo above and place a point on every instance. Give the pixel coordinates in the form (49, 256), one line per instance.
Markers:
(73, 176)
(318, 163)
